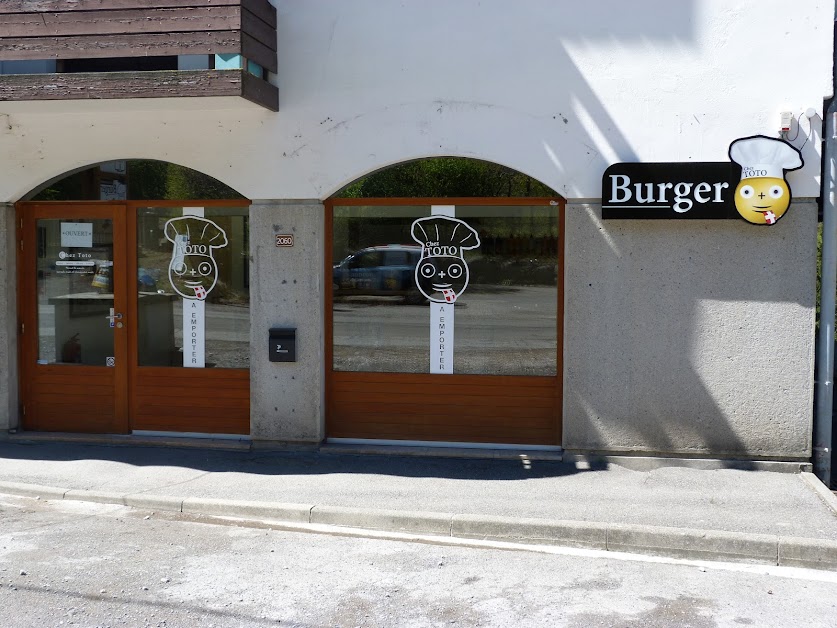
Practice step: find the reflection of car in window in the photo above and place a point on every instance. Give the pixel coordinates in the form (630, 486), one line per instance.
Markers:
(380, 271)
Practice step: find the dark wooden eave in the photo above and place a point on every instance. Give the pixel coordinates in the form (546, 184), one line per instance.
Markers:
(160, 84)
(100, 29)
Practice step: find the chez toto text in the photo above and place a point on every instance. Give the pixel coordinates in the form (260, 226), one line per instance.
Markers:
(434, 249)
(685, 194)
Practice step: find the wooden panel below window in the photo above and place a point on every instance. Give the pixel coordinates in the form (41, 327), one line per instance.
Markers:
(63, 398)
(212, 401)
(458, 408)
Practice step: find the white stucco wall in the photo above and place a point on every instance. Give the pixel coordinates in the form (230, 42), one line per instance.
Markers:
(555, 88)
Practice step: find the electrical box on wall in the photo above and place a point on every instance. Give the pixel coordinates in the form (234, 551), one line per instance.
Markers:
(786, 121)
(282, 344)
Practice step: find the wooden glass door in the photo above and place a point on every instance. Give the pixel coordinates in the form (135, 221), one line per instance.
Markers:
(74, 323)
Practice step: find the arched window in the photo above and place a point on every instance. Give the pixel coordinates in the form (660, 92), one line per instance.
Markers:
(134, 180)
(438, 177)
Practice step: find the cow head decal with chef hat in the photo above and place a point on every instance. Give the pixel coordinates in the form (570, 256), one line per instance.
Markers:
(442, 274)
(763, 195)
(192, 271)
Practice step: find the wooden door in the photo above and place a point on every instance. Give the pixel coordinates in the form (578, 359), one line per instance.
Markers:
(74, 326)
(165, 394)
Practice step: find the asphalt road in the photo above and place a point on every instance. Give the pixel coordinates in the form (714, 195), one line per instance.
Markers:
(73, 563)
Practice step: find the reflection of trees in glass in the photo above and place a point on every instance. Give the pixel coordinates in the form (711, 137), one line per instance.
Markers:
(145, 180)
(446, 177)
(518, 244)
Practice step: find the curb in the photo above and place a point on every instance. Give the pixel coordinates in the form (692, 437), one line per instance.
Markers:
(822, 491)
(635, 539)
(650, 463)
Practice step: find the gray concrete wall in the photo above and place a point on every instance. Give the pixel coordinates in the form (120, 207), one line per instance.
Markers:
(690, 337)
(8, 320)
(287, 291)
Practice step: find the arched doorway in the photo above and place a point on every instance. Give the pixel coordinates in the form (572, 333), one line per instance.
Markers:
(445, 315)
(133, 296)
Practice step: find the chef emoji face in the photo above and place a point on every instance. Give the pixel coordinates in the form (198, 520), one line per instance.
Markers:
(193, 272)
(442, 274)
(763, 196)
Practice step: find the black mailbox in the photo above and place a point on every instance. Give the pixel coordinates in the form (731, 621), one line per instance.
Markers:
(282, 347)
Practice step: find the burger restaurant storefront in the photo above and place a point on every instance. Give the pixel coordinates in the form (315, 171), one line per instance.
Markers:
(136, 314)
(573, 245)
(422, 320)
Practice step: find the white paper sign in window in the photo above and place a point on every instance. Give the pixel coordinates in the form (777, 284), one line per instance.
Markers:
(77, 234)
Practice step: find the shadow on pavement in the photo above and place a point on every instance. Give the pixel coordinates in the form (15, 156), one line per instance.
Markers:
(298, 463)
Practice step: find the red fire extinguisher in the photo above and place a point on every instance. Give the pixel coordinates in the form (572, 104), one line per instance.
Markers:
(71, 351)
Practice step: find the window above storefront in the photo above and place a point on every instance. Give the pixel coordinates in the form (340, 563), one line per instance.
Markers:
(109, 49)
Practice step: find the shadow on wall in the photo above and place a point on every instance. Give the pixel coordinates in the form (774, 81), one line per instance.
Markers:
(672, 365)
(464, 80)
(692, 337)
(672, 313)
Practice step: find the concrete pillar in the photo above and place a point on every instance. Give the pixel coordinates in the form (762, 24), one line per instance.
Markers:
(286, 290)
(8, 320)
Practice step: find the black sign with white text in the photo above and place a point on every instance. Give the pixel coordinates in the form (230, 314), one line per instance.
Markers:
(670, 190)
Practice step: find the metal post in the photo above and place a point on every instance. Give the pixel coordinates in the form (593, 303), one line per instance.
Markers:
(828, 291)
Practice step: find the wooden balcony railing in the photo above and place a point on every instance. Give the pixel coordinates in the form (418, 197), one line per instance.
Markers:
(241, 33)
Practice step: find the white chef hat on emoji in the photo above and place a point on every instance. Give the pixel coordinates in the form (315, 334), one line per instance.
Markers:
(444, 232)
(762, 156)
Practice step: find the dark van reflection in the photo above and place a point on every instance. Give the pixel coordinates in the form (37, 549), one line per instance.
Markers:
(380, 271)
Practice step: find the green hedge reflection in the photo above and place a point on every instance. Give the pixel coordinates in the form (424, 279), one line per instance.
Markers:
(136, 180)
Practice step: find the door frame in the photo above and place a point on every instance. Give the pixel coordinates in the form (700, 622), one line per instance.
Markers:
(27, 216)
(403, 381)
(124, 213)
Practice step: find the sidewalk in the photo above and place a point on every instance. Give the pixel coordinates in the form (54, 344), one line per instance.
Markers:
(721, 514)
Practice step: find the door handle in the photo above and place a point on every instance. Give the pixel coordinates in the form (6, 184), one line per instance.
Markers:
(114, 316)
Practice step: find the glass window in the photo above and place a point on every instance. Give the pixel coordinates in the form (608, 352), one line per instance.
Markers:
(505, 319)
(183, 259)
(436, 177)
(396, 258)
(135, 179)
(75, 291)
(367, 259)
